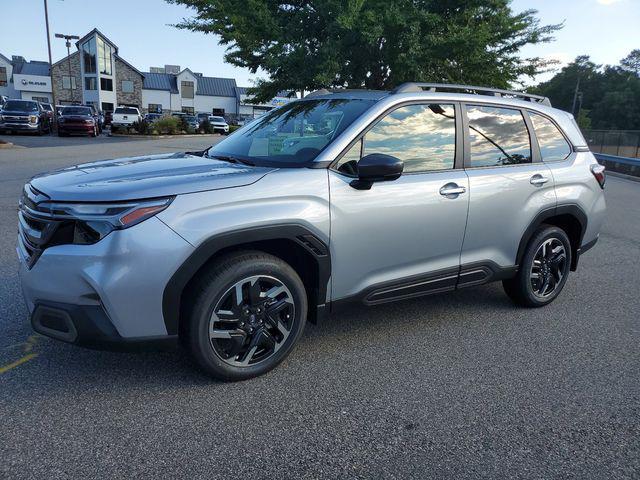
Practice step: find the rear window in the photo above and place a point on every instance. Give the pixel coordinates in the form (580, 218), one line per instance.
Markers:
(20, 106)
(126, 111)
(553, 146)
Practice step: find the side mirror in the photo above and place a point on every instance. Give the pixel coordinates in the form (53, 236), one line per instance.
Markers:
(377, 167)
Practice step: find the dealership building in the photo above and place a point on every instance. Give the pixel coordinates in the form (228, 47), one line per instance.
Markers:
(96, 74)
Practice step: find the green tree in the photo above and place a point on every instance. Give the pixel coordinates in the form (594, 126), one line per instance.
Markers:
(374, 44)
(632, 62)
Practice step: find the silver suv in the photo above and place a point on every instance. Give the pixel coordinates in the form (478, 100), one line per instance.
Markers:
(344, 196)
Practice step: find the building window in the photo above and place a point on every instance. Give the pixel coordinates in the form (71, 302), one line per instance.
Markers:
(89, 56)
(104, 57)
(218, 111)
(127, 86)
(90, 83)
(155, 108)
(68, 82)
(187, 89)
(106, 84)
(3, 76)
(107, 107)
(40, 99)
(188, 110)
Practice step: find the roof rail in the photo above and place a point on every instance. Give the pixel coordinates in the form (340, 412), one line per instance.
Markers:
(415, 87)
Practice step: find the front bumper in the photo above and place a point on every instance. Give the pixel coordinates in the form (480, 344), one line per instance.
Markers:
(111, 291)
(77, 128)
(220, 128)
(24, 126)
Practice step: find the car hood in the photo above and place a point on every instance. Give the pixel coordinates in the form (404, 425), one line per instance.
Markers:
(144, 177)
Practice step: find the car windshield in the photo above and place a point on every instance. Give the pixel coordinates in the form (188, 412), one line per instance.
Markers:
(18, 106)
(218, 119)
(191, 118)
(292, 135)
(76, 111)
(126, 111)
(47, 107)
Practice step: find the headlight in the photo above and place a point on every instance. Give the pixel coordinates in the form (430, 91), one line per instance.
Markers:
(89, 122)
(33, 119)
(93, 221)
(1, 118)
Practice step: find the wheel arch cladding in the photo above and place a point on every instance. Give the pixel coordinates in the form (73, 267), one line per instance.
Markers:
(295, 244)
(570, 218)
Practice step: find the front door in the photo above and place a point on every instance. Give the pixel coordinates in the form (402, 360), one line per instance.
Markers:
(401, 238)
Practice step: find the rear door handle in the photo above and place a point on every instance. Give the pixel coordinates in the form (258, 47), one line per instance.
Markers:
(538, 179)
(451, 190)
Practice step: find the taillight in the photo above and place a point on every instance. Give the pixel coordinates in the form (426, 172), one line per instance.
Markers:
(598, 172)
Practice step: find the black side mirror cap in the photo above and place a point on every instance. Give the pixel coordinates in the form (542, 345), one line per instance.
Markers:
(377, 167)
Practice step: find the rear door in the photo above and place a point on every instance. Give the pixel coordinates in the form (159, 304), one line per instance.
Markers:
(401, 238)
(508, 185)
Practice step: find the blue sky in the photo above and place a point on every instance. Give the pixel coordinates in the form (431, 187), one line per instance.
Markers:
(604, 29)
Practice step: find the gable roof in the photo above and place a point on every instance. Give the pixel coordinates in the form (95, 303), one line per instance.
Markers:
(5, 58)
(118, 57)
(211, 86)
(159, 81)
(104, 37)
(33, 67)
(217, 87)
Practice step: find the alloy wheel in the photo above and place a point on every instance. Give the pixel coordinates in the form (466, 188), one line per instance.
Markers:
(548, 267)
(251, 321)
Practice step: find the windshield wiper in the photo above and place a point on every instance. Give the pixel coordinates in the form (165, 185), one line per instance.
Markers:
(227, 158)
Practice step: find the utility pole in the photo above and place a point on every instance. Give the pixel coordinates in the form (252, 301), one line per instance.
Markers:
(68, 39)
(575, 96)
(53, 91)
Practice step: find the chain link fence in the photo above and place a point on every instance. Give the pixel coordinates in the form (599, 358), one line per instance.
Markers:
(621, 143)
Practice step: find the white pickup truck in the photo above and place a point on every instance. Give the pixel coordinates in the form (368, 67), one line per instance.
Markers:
(125, 117)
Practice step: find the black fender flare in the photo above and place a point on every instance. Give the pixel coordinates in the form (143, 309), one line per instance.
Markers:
(568, 209)
(300, 234)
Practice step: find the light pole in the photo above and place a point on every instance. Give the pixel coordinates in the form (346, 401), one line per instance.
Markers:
(68, 39)
(53, 92)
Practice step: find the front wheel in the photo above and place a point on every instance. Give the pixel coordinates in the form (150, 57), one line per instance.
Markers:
(248, 311)
(544, 268)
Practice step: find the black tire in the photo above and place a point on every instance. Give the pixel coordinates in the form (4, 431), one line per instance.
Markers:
(218, 285)
(527, 291)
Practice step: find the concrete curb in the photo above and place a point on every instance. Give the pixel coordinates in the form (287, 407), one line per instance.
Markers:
(202, 135)
(6, 145)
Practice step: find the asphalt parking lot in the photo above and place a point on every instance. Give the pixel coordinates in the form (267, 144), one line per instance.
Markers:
(462, 385)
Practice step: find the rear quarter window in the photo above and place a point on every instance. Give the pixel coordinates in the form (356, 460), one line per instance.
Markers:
(553, 146)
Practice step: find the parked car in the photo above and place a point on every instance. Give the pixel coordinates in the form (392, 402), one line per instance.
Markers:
(47, 107)
(191, 120)
(97, 115)
(352, 197)
(152, 117)
(24, 116)
(125, 117)
(219, 125)
(77, 119)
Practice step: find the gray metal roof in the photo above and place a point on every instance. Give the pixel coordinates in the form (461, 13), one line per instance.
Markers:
(282, 93)
(32, 68)
(218, 87)
(160, 81)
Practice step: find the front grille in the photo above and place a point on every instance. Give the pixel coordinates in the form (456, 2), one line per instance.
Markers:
(15, 119)
(37, 229)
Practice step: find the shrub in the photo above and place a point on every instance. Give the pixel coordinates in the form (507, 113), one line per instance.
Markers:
(168, 125)
(206, 126)
(233, 128)
(184, 125)
(142, 127)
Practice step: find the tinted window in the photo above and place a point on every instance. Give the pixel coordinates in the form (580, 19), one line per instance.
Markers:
(553, 145)
(498, 136)
(218, 119)
(294, 134)
(19, 106)
(422, 136)
(76, 111)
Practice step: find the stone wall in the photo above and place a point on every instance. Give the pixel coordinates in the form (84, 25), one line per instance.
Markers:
(60, 69)
(125, 72)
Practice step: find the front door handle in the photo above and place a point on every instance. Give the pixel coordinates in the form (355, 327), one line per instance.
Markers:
(451, 190)
(538, 180)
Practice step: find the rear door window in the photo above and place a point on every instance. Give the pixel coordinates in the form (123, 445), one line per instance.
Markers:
(498, 136)
(553, 145)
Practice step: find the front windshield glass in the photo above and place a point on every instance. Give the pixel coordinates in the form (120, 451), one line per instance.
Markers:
(18, 106)
(76, 111)
(217, 119)
(292, 135)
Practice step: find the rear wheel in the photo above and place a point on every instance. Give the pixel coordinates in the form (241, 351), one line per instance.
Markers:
(248, 312)
(544, 268)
